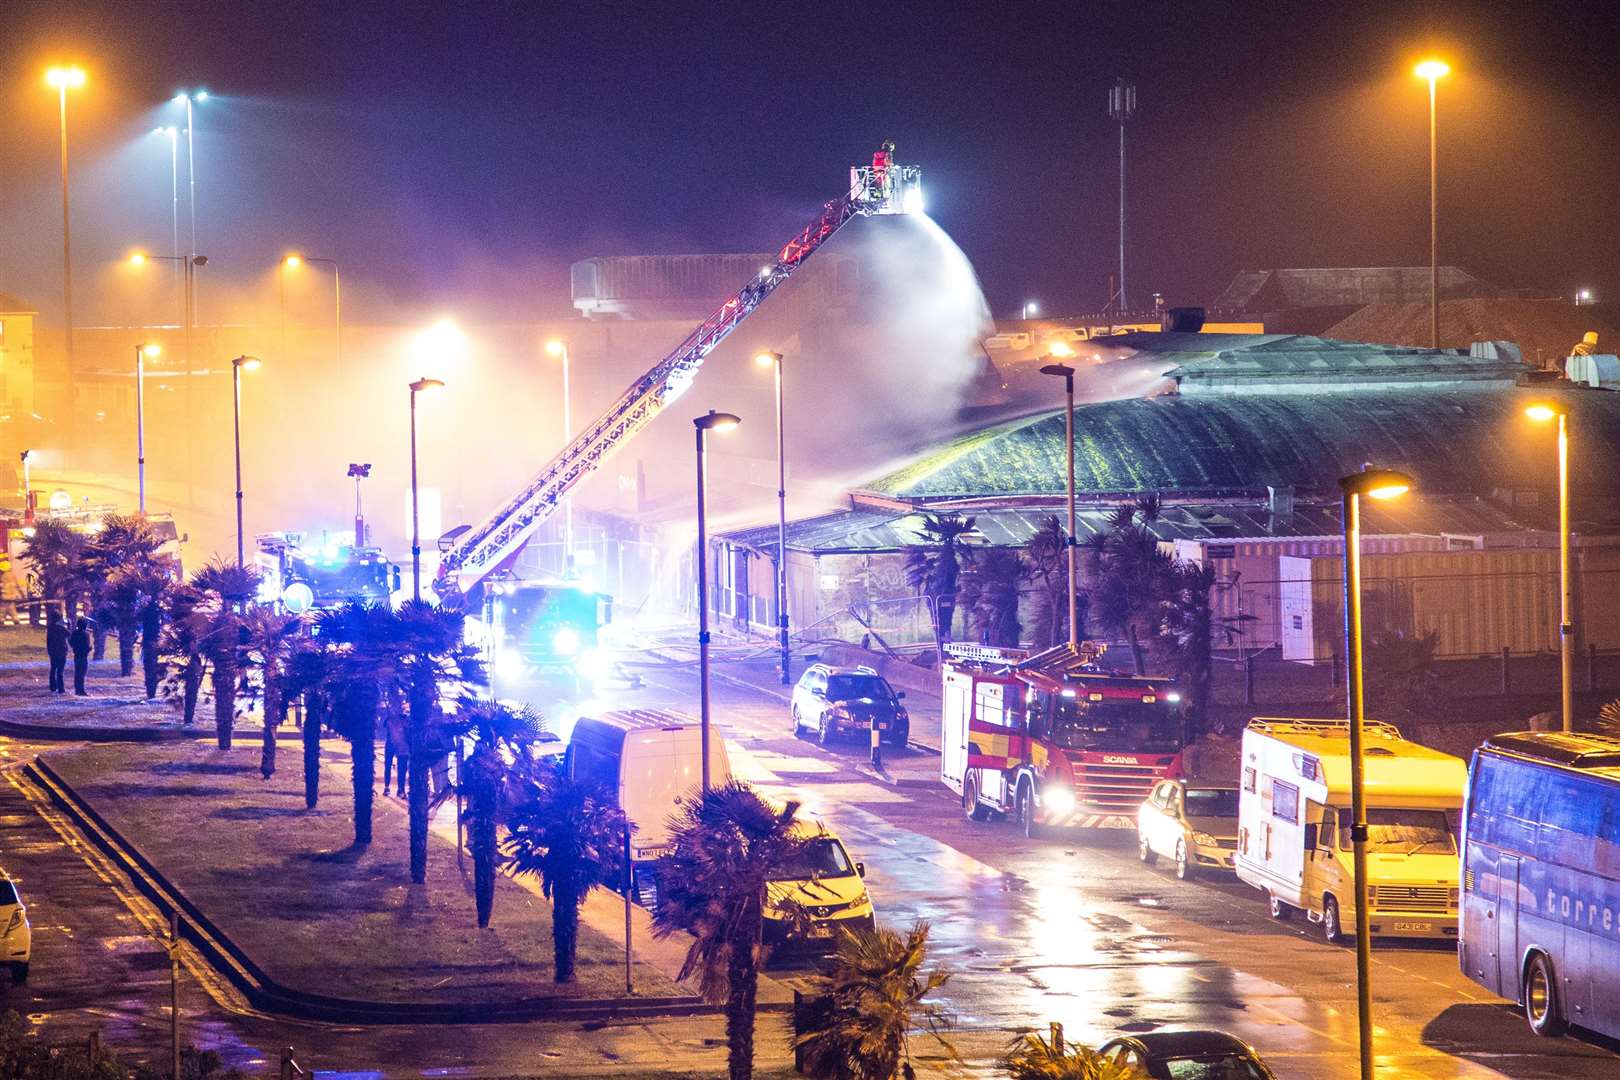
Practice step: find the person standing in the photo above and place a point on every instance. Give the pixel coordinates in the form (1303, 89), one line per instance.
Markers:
(79, 641)
(56, 648)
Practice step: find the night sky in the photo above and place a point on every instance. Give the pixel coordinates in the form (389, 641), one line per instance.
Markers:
(466, 153)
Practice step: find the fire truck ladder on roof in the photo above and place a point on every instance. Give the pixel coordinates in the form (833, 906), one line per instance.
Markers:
(892, 189)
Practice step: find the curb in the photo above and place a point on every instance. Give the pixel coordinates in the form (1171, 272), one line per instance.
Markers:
(267, 995)
(53, 733)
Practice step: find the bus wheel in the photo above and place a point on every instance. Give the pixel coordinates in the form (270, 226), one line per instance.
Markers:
(1541, 998)
(1332, 927)
(971, 806)
(1279, 910)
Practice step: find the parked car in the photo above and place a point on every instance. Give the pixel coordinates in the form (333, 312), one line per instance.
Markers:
(1193, 822)
(19, 942)
(1187, 1055)
(821, 894)
(832, 701)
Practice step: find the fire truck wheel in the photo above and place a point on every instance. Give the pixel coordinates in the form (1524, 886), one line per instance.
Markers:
(1027, 821)
(1144, 850)
(1184, 867)
(1280, 911)
(971, 806)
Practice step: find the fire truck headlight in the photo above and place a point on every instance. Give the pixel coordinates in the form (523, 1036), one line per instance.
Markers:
(1172, 698)
(566, 641)
(1057, 800)
(509, 665)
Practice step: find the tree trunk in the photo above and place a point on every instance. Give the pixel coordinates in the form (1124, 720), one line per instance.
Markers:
(151, 666)
(482, 827)
(193, 678)
(564, 930)
(98, 639)
(742, 1000)
(361, 728)
(417, 809)
(1136, 649)
(272, 719)
(224, 703)
(126, 646)
(314, 716)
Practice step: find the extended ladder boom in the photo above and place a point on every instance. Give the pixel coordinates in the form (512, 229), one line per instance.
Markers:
(883, 188)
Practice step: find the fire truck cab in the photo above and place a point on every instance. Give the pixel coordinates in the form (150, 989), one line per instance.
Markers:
(1055, 740)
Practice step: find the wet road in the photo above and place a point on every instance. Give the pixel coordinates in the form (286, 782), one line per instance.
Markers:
(1077, 930)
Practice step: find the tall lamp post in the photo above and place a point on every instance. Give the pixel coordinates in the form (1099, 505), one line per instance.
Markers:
(1031, 308)
(559, 349)
(1375, 484)
(1566, 588)
(188, 311)
(239, 365)
(28, 491)
(712, 421)
(1066, 373)
(359, 472)
(141, 353)
(293, 262)
(174, 186)
(416, 520)
(64, 79)
(1433, 71)
(774, 361)
(188, 98)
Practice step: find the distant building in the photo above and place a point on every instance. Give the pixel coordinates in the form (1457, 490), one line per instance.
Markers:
(1310, 300)
(16, 357)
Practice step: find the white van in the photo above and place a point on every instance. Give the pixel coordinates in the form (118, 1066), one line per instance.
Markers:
(649, 759)
(1294, 826)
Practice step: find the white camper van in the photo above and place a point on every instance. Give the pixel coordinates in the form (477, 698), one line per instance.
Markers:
(1294, 826)
(649, 759)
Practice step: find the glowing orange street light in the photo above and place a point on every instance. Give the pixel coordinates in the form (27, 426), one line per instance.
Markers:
(293, 261)
(63, 79)
(1433, 71)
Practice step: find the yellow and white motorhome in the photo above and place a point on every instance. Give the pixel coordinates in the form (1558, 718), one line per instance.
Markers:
(1294, 826)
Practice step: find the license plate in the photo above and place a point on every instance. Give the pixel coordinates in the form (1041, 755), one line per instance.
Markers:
(821, 930)
(1412, 927)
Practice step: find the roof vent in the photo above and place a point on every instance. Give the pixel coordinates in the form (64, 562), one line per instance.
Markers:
(1281, 499)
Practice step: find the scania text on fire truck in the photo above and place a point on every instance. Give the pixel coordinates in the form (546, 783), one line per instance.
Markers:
(1055, 739)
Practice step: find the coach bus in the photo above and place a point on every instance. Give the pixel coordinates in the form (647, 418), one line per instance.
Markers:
(1541, 877)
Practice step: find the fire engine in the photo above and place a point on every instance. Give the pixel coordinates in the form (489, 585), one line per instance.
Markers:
(535, 627)
(301, 577)
(1055, 739)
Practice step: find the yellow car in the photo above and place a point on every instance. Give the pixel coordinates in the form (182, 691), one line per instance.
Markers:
(1192, 822)
(823, 893)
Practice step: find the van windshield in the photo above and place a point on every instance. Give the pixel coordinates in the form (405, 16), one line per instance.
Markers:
(1403, 832)
(822, 857)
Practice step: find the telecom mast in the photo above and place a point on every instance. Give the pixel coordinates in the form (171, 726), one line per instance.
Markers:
(1121, 107)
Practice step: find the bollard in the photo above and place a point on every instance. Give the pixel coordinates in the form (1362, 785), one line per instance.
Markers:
(1507, 674)
(1248, 680)
(877, 746)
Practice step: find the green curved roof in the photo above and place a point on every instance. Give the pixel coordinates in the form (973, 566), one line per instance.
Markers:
(1458, 441)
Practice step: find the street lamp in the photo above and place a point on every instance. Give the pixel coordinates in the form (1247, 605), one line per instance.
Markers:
(141, 353)
(64, 79)
(557, 348)
(239, 365)
(416, 521)
(1541, 413)
(359, 472)
(188, 316)
(1375, 484)
(189, 98)
(174, 185)
(774, 360)
(1066, 373)
(713, 421)
(1031, 308)
(28, 492)
(293, 262)
(1433, 71)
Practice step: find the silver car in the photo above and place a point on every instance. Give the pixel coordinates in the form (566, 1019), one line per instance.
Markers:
(1191, 821)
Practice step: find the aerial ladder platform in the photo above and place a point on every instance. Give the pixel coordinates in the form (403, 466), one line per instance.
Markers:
(471, 555)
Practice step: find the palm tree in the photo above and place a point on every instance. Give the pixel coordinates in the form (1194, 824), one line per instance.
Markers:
(186, 625)
(359, 657)
(55, 552)
(990, 588)
(571, 836)
(307, 673)
(272, 638)
(728, 843)
(120, 557)
(1034, 1058)
(933, 567)
(434, 662)
(870, 1002)
(501, 751)
(154, 582)
(1131, 576)
(1048, 556)
(1187, 633)
(228, 588)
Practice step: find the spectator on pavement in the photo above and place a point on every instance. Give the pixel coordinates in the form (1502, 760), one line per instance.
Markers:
(79, 641)
(56, 648)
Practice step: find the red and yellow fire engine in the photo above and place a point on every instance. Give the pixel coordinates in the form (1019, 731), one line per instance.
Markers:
(1055, 739)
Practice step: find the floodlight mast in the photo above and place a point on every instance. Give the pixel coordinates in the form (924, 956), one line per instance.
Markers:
(884, 187)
